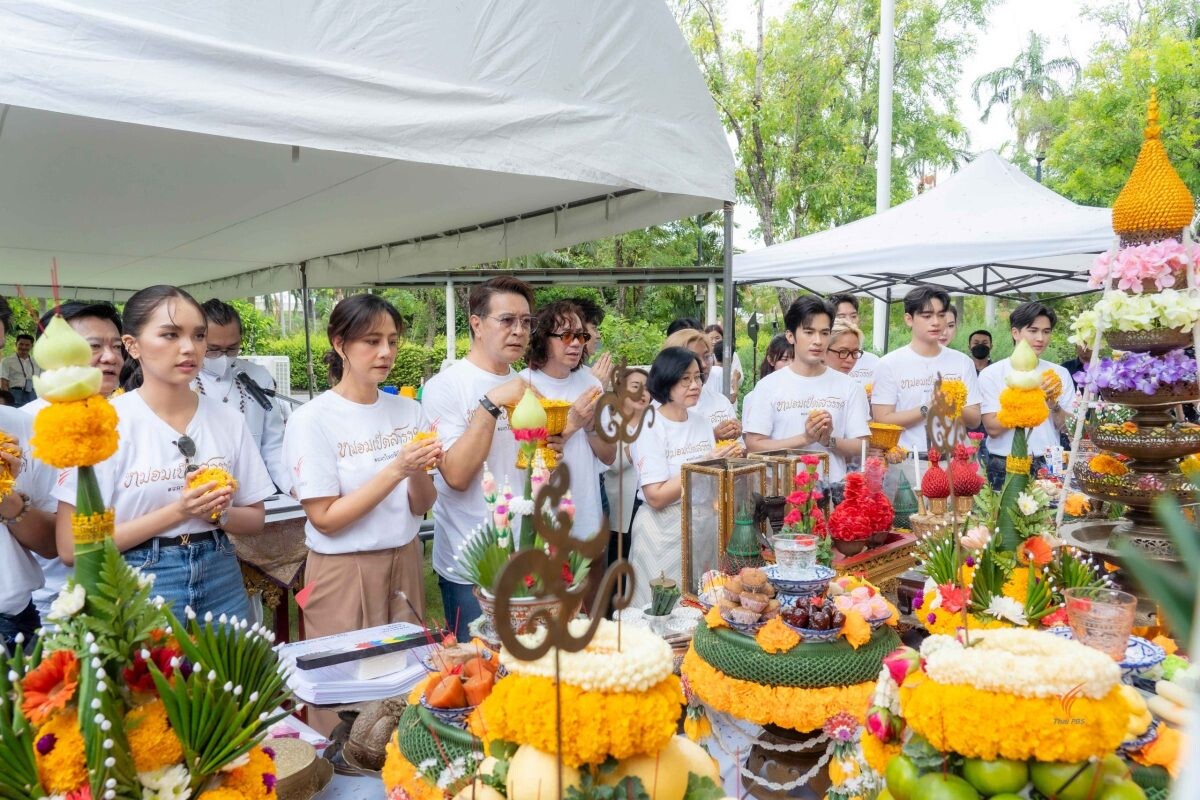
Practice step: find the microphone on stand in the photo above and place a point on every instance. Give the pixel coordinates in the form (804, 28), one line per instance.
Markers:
(254, 389)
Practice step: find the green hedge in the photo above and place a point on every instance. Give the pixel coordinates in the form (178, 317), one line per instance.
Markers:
(413, 361)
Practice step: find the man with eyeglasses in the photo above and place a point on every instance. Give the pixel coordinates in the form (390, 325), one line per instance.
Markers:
(218, 378)
(465, 403)
(806, 405)
(846, 310)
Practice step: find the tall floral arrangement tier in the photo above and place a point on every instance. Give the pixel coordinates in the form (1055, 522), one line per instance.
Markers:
(981, 584)
(1024, 405)
(120, 699)
(1147, 268)
(804, 516)
(1018, 712)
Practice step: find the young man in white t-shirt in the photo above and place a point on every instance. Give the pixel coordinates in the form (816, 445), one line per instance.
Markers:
(904, 378)
(807, 405)
(465, 402)
(846, 309)
(1033, 322)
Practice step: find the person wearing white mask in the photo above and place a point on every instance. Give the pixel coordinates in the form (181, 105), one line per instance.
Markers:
(100, 325)
(218, 379)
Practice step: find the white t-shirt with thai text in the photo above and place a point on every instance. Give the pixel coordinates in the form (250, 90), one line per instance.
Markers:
(864, 369)
(450, 399)
(20, 573)
(992, 383)
(577, 452)
(905, 380)
(333, 446)
(714, 406)
(664, 446)
(784, 399)
(147, 471)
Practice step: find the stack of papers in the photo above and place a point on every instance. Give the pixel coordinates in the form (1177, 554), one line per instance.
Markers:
(339, 684)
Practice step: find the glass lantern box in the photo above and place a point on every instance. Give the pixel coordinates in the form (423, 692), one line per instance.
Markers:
(719, 530)
(784, 465)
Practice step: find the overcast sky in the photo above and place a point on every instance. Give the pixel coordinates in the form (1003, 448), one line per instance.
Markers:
(1008, 30)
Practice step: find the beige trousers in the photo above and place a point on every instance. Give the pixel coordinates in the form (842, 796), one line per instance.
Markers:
(353, 591)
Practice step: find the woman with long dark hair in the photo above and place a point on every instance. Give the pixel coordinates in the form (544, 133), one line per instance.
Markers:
(165, 527)
(359, 469)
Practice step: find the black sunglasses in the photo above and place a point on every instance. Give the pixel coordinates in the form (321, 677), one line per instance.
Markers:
(187, 448)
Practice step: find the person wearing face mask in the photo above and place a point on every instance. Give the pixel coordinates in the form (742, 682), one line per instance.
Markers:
(979, 344)
(217, 378)
(100, 325)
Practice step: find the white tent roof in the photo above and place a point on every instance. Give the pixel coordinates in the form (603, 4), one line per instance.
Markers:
(152, 143)
(987, 229)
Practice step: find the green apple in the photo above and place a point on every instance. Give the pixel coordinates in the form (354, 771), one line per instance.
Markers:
(936, 786)
(1049, 778)
(994, 777)
(901, 777)
(884, 794)
(1006, 796)
(1113, 766)
(1122, 790)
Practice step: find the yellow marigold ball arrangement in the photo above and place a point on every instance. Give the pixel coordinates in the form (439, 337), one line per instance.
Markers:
(1154, 198)
(1022, 408)
(151, 741)
(11, 446)
(254, 780)
(81, 433)
(58, 753)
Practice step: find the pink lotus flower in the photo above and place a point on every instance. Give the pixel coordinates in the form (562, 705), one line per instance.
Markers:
(488, 483)
(976, 538)
(879, 723)
(902, 662)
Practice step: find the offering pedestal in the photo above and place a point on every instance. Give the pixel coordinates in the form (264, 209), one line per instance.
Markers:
(783, 768)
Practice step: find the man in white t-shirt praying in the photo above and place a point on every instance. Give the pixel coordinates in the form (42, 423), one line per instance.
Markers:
(904, 378)
(807, 405)
(465, 404)
(1032, 322)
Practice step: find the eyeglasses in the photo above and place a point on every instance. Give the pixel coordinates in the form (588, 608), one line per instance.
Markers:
(688, 380)
(583, 337)
(215, 352)
(187, 448)
(509, 322)
(855, 354)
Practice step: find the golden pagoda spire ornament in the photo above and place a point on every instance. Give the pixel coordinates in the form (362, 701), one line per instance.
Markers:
(1155, 203)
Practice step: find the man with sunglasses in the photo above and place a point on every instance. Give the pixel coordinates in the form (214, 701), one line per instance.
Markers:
(218, 378)
(465, 403)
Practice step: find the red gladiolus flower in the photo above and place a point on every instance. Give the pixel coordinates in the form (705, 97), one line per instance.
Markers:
(798, 498)
(793, 517)
(810, 460)
(567, 576)
(137, 675)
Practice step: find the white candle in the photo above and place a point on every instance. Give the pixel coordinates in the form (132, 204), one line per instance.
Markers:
(916, 471)
(863, 463)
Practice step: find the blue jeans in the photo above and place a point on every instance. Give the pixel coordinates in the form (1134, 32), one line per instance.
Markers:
(204, 575)
(25, 622)
(996, 469)
(460, 605)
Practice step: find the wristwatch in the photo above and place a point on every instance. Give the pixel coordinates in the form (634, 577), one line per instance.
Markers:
(832, 442)
(490, 407)
(924, 411)
(222, 518)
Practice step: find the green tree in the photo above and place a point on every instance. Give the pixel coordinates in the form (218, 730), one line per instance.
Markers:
(1158, 45)
(800, 100)
(1025, 86)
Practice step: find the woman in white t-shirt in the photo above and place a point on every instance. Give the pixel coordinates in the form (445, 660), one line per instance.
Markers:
(676, 435)
(553, 357)
(167, 431)
(362, 479)
(712, 405)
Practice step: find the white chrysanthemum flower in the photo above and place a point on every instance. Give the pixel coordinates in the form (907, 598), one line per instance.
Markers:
(1027, 504)
(168, 783)
(1007, 608)
(69, 602)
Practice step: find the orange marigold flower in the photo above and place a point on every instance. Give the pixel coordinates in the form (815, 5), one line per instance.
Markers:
(81, 433)
(51, 686)
(775, 637)
(1077, 505)
(59, 754)
(1022, 408)
(1035, 551)
(152, 742)
(1104, 464)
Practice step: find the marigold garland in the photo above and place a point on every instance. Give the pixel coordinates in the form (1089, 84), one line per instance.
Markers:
(877, 754)
(151, 741)
(1022, 408)
(1056, 385)
(399, 773)
(81, 433)
(788, 707)
(1020, 728)
(1018, 465)
(1104, 464)
(595, 725)
(775, 637)
(255, 780)
(58, 751)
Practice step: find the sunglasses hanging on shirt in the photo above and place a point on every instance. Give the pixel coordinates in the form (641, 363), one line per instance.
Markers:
(187, 448)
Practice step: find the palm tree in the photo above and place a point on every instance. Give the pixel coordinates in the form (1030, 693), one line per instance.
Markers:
(1029, 81)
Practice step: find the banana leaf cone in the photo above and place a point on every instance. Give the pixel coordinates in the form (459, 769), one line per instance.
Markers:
(1015, 482)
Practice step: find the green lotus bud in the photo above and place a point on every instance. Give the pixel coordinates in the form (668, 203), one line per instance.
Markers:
(1023, 358)
(529, 414)
(61, 346)
(65, 384)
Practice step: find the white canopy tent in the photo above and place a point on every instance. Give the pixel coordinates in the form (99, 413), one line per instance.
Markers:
(988, 229)
(239, 148)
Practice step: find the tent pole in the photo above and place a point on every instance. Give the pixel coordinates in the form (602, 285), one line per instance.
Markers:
(729, 321)
(451, 334)
(312, 378)
(887, 319)
(710, 310)
(989, 310)
(883, 154)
